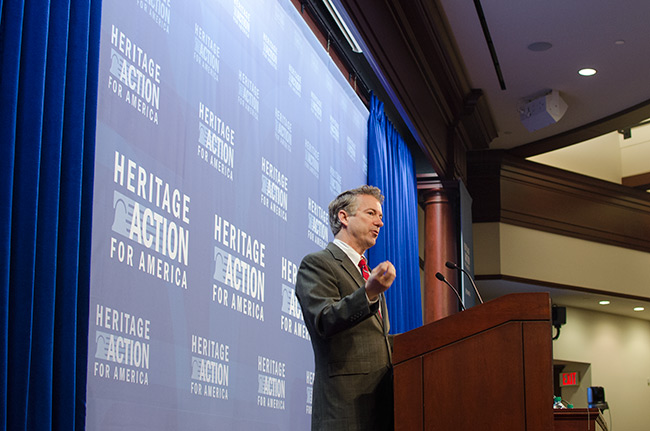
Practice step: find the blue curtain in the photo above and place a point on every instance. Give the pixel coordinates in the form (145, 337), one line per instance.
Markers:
(48, 99)
(390, 167)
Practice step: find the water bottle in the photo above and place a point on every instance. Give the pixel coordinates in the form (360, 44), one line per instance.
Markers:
(557, 403)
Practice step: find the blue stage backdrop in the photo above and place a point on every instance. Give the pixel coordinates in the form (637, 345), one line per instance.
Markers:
(223, 132)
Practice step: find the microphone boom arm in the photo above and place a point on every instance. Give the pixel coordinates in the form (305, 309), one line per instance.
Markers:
(442, 278)
(454, 266)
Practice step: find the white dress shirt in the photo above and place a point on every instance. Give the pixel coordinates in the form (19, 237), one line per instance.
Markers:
(354, 257)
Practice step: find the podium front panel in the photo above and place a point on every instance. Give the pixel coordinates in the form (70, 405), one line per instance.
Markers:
(469, 382)
(487, 368)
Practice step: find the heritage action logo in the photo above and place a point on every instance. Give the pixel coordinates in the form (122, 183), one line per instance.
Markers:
(249, 95)
(210, 368)
(216, 145)
(318, 220)
(316, 106)
(270, 51)
(312, 159)
(352, 149)
(134, 76)
(121, 346)
(271, 384)
(239, 281)
(275, 190)
(282, 129)
(335, 181)
(153, 217)
(291, 319)
(295, 81)
(359, 123)
(334, 129)
(242, 18)
(158, 11)
(206, 52)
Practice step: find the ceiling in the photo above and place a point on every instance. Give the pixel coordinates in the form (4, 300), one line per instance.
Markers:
(611, 37)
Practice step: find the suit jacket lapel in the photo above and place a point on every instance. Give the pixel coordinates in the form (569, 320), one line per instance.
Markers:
(354, 272)
(346, 263)
(384, 313)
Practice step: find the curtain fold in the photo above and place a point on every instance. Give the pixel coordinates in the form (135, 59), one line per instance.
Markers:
(390, 167)
(48, 90)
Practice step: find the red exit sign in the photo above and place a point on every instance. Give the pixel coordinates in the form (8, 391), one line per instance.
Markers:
(569, 379)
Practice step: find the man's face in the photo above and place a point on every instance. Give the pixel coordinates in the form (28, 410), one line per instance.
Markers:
(363, 227)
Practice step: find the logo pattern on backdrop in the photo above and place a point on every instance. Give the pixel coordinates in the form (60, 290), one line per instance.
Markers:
(223, 132)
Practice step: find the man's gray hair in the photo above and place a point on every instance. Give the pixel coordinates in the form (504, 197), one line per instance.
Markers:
(347, 201)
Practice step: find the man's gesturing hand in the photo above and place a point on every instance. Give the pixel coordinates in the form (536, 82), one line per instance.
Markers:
(380, 280)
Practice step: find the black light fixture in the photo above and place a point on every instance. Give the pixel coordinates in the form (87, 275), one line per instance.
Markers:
(596, 397)
(627, 132)
(558, 317)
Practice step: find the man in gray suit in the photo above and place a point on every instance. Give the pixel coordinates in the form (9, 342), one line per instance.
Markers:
(345, 313)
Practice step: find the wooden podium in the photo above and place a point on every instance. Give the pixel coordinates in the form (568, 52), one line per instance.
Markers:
(486, 368)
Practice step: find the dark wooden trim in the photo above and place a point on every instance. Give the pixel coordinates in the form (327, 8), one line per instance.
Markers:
(640, 181)
(550, 285)
(512, 190)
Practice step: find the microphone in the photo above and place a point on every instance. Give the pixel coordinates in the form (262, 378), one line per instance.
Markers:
(452, 265)
(444, 280)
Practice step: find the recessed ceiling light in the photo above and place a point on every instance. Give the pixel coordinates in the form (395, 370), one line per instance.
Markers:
(639, 308)
(540, 46)
(604, 302)
(587, 72)
(619, 42)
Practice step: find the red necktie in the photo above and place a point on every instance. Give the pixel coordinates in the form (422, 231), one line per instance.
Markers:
(365, 271)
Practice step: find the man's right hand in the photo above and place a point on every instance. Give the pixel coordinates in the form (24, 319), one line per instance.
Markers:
(381, 278)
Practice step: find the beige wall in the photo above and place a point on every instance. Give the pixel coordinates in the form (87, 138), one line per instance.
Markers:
(599, 158)
(526, 253)
(609, 157)
(618, 349)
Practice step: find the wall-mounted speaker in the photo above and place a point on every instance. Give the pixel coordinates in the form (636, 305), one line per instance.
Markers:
(542, 111)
